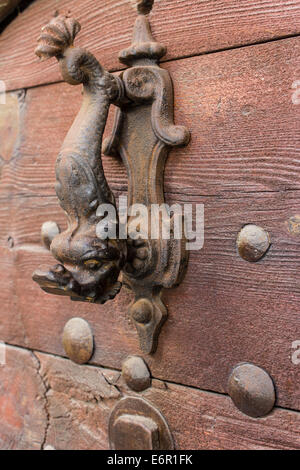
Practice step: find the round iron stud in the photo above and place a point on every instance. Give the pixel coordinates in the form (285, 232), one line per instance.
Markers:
(293, 225)
(141, 311)
(251, 390)
(253, 242)
(136, 373)
(78, 340)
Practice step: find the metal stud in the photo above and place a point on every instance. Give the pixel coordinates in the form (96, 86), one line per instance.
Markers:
(141, 311)
(293, 225)
(78, 340)
(136, 373)
(252, 390)
(135, 424)
(253, 242)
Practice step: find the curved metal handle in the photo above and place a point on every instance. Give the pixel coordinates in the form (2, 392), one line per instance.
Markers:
(143, 133)
(89, 267)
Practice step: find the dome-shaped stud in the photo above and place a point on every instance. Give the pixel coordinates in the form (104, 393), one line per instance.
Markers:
(136, 373)
(141, 311)
(78, 340)
(293, 225)
(253, 242)
(251, 390)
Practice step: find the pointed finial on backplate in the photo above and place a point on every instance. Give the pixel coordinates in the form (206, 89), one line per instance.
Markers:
(143, 6)
(143, 44)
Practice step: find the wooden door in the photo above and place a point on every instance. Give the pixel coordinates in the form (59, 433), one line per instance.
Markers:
(236, 72)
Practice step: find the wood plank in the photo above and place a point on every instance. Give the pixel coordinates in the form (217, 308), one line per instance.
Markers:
(244, 311)
(242, 164)
(238, 105)
(79, 400)
(186, 27)
(22, 401)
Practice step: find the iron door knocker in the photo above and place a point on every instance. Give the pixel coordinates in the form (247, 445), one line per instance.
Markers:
(90, 265)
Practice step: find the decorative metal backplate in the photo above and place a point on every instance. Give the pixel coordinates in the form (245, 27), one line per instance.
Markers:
(144, 131)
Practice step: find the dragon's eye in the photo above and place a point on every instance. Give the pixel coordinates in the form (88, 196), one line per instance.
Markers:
(92, 263)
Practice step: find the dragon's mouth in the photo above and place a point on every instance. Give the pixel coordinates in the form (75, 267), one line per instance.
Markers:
(59, 281)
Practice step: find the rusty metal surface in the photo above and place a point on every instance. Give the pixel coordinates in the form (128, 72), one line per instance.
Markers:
(293, 225)
(78, 340)
(253, 242)
(135, 424)
(89, 267)
(252, 390)
(136, 373)
(143, 6)
(143, 134)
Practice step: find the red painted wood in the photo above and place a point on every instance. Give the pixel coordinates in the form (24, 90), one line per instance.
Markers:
(242, 164)
(22, 401)
(226, 311)
(66, 406)
(237, 104)
(186, 27)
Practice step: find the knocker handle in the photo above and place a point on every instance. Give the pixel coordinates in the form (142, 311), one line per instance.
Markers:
(89, 265)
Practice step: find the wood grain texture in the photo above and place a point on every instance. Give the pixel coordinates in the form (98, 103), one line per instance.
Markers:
(225, 312)
(22, 401)
(242, 163)
(237, 104)
(79, 400)
(186, 27)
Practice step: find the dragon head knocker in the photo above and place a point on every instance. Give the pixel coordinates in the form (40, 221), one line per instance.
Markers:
(89, 252)
(89, 265)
